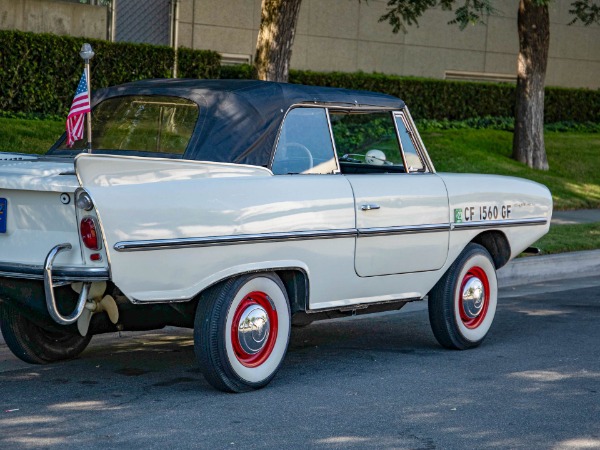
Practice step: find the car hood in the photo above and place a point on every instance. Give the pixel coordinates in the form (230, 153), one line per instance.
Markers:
(37, 173)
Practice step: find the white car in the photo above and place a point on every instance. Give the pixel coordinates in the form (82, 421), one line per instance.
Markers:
(240, 208)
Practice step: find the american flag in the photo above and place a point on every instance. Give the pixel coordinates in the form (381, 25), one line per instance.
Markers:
(80, 106)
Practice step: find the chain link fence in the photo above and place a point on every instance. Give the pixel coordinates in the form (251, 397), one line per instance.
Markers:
(138, 21)
(143, 22)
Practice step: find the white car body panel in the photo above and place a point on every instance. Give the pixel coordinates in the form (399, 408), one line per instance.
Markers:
(152, 201)
(527, 200)
(171, 228)
(27, 173)
(407, 202)
(240, 208)
(38, 217)
(197, 206)
(38, 220)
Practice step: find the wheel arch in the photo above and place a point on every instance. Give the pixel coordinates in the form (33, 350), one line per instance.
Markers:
(296, 285)
(496, 243)
(295, 281)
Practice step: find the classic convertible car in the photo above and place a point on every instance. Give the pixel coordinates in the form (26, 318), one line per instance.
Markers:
(240, 208)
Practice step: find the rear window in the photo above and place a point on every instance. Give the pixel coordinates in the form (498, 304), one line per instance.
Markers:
(144, 124)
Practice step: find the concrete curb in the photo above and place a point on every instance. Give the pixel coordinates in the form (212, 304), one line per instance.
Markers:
(537, 269)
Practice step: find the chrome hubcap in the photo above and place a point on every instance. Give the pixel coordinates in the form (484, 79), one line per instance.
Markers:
(253, 329)
(473, 296)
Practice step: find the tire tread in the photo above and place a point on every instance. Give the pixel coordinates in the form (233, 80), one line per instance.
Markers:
(27, 342)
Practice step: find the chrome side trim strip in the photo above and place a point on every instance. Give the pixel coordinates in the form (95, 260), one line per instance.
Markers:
(35, 272)
(209, 241)
(411, 229)
(482, 224)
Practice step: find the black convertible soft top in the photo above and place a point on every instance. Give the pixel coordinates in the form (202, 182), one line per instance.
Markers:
(239, 119)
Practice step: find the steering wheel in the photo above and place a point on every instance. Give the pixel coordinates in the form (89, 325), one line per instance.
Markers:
(299, 157)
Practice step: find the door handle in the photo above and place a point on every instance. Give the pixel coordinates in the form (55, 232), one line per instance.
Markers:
(369, 206)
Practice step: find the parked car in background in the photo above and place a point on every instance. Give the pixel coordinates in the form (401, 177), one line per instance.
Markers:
(239, 208)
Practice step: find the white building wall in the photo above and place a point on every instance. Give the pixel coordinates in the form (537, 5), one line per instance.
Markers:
(47, 16)
(345, 35)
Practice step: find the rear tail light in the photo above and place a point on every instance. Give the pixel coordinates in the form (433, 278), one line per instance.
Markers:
(89, 234)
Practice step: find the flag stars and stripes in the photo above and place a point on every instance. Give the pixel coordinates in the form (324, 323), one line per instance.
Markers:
(79, 107)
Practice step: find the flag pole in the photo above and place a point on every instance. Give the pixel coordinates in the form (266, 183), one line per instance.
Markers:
(86, 54)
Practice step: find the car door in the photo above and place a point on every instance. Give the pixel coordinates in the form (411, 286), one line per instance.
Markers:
(401, 206)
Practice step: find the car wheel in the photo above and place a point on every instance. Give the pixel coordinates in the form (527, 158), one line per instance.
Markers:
(34, 344)
(242, 331)
(462, 304)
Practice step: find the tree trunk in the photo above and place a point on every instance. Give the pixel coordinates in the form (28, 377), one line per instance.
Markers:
(534, 41)
(275, 39)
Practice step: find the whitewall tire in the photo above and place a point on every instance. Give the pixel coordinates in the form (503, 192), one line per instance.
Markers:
(242, 331)
(462, 304)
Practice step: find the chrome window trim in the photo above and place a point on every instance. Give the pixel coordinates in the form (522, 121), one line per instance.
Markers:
(420, 146)
(337, 171)
(400, 146)
(366, 110)
(335, 155)
(350, 108)
(411, 133)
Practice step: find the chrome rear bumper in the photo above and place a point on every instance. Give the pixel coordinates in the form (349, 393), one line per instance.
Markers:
(49, 290)
(59, 276)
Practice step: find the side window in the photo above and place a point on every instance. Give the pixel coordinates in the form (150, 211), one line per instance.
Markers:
(366, 142)
(413, 161)
(304, 144)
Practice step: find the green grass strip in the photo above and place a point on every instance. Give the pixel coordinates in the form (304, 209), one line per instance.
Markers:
(574, 157)
(570, 238)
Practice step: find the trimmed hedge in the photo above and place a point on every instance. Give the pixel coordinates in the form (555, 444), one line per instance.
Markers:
(459, 100)
(449, 100)
(198, 63)
(39, 72)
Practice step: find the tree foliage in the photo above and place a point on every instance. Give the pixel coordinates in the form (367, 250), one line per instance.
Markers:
(534, 41)
(586, 11)
(403, 13)
(407, 12)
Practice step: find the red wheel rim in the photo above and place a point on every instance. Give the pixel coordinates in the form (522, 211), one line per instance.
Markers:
(468, 320)
(256, 298)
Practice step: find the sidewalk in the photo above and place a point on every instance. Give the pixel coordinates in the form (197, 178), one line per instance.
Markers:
(576, 216)
(537, 269)
(561, 266)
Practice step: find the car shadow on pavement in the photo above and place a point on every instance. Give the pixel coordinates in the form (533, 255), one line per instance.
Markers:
(368, 382)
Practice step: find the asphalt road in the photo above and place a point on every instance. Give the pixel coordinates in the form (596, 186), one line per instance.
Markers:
(372, 382)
